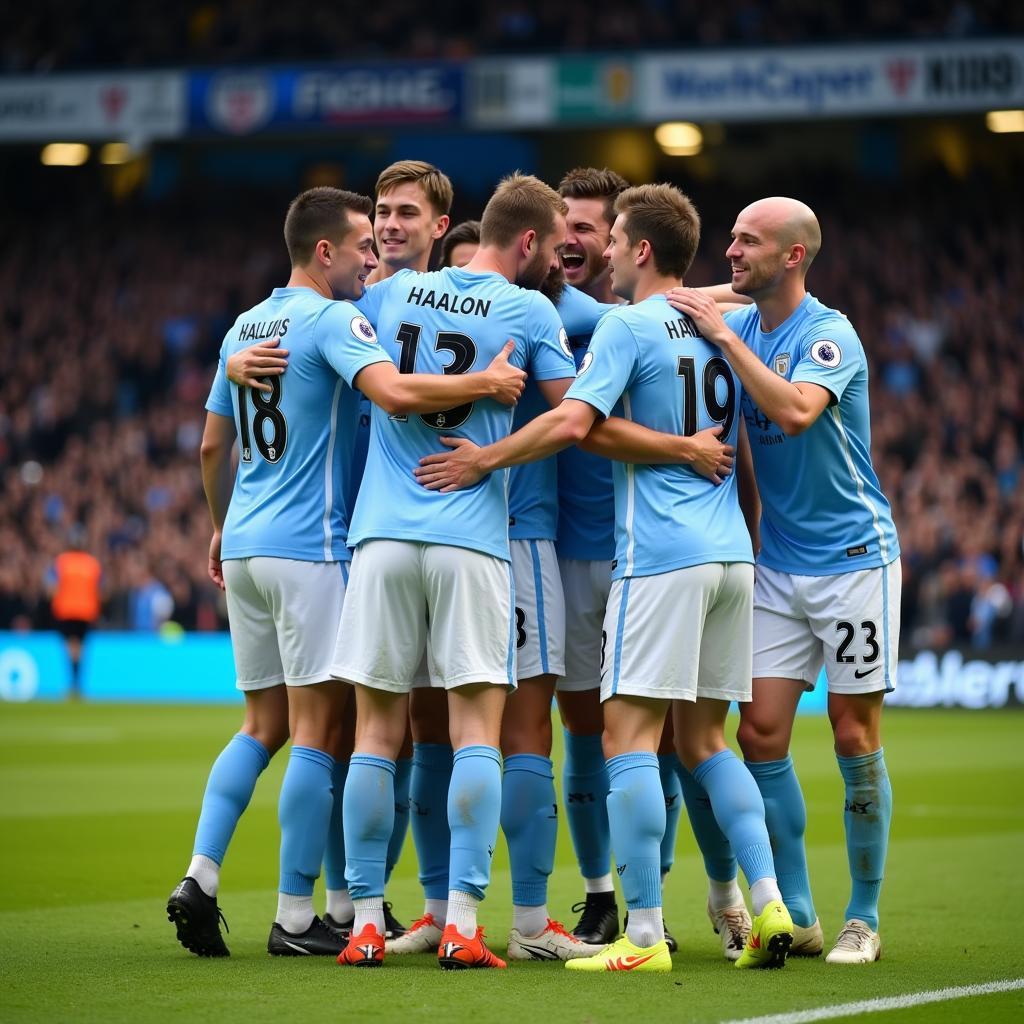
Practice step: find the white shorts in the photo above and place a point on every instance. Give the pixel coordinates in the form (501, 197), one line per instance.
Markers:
(586, 585)
(397, 587)
(849, 622)
(540, 609)
(680, 635)
(284, 618)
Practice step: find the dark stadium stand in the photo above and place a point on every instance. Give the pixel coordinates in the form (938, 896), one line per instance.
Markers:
(74, 34)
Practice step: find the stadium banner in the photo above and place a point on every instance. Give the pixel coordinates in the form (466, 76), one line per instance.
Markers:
(134, 107)
(246, 102)
(33, 666)
(960, 679)
(159, 667)
(512, 93)
(809, 82)
(535, 92)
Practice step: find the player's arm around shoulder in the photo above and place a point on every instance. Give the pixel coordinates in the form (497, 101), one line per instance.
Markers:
(794, 406)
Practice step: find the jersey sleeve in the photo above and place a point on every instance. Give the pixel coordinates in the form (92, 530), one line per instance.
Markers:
(371, 301)
(347, 340)
(548, 355)
(219, 401)
(830, 354)
(580, 312)
(609, 367)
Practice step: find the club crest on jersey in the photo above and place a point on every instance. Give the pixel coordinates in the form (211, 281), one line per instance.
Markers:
(585, 364)
(826, 353)
(782, 364)
(362, 328)
(563, 340)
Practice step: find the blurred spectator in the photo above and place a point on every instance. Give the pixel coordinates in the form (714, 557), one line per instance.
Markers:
(74, 586)
(65, 34)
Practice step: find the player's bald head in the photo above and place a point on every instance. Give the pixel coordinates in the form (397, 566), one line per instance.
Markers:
(787, 221)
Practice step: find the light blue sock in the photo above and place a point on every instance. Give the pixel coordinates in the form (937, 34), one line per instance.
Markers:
(304, 811)
(369, 815)
(334, 851)
(529, 819)
(636, 817)
(228, 792)
(719, 862)
(403, 772)
(585, 790)
(428, 809)
(668, 766)
(867, 817)
(474, 807)
(739, 811)
(786, 817)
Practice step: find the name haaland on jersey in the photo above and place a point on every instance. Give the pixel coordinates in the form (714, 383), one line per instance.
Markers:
(666, 517)
(449, 321)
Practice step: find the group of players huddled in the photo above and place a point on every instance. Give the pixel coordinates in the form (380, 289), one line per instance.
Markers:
(548, 508)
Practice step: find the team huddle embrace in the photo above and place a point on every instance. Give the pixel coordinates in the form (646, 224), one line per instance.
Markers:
(547, 470)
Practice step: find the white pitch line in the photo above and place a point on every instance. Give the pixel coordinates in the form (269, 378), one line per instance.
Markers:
(939, 995)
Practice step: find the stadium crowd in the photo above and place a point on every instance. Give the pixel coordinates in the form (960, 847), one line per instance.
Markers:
(75, 34)
(101, 402)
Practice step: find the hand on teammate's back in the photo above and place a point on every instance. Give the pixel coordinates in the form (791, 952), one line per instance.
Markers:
(710, 457)
(247, 367)
(508, 380)
(451, 471)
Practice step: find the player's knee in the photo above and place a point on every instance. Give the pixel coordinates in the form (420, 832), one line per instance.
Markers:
(273, 734)
(761, 741)
(854, 736)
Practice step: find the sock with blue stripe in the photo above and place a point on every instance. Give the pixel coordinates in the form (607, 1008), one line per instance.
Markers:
(785, 814)
(668, 768)
(739, 811)
(474, 807)
(369, 816)
(867, 818)
(719, 861)
(339, 903)
(636, 817)
(529, 819)
(403, 774)
(229, 789)
(304, 811)
(428, 803)
(585, 786)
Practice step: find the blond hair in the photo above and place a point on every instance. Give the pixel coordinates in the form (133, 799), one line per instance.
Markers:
(520, 202)
(435, 183)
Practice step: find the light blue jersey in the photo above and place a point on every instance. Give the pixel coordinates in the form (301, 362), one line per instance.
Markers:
(295, 445)
(533, 487)
(822, 510)
(671, 380)
(449, 321)
(586, 494)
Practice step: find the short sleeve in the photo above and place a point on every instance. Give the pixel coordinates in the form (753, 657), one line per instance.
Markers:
(219, 401)
(580, 312)
(548, 354)
(609, 367)
(347, 340)
(830, 354)
(371, 301)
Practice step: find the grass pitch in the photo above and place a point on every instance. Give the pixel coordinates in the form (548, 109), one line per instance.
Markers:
(99, 804)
